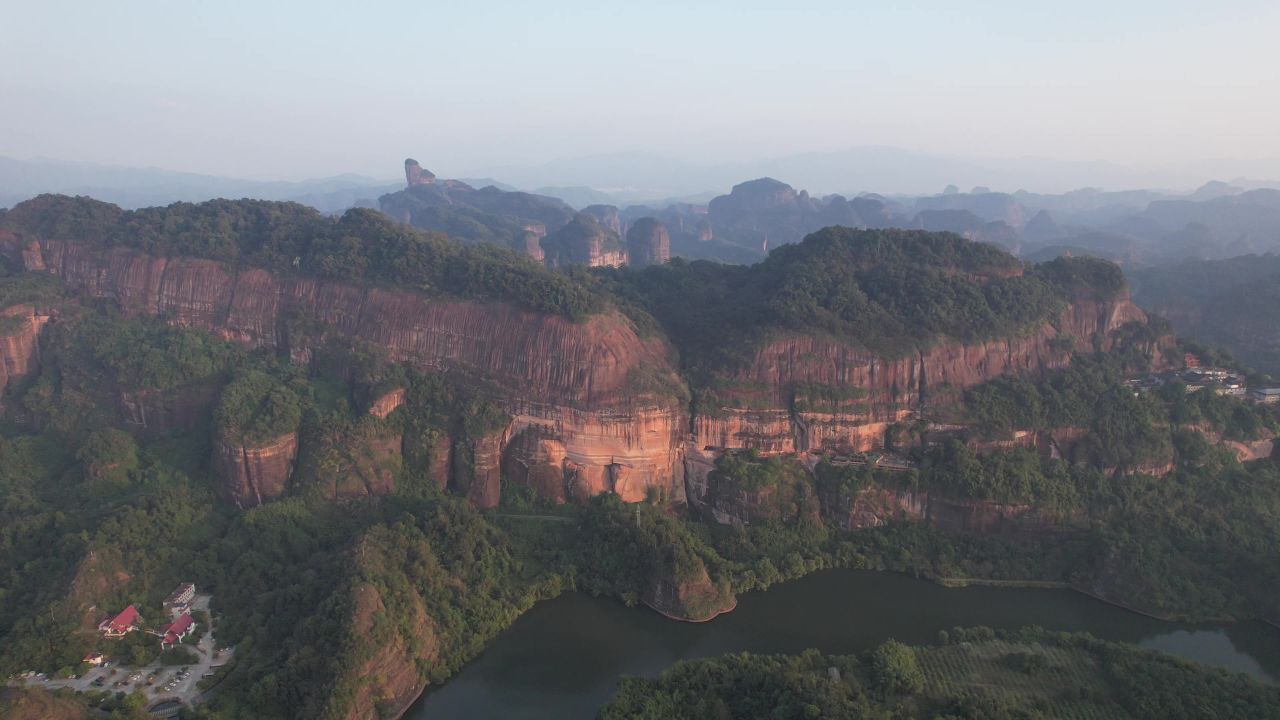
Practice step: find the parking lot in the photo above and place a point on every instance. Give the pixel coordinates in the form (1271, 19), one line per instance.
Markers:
(158, 682)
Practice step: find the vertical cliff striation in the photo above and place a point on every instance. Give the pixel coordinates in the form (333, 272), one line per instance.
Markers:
(648, 243)
(581, 424)
(866, 392)
(254, 474)
(20, 327)
(573, 380)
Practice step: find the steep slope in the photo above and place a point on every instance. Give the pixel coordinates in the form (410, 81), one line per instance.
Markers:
(473, 215)
(822, 346)
(571, 385)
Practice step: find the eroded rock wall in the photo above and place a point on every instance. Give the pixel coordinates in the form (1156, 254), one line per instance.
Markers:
(579, 425)
(576, 376)
(20, 328)
(766, 417)
(252, 474)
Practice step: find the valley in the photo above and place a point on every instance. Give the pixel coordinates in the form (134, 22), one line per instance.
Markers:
(379, 447)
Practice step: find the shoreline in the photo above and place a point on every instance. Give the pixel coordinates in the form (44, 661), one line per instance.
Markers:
(1183, 619)
(962, 582)
(692, 621)
(947, 582)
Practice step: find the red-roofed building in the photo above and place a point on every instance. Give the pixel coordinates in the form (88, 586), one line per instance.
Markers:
(178, 630)
(122, 624)
(94, 658)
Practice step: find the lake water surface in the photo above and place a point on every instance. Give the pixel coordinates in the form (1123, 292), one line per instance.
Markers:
(563, 658)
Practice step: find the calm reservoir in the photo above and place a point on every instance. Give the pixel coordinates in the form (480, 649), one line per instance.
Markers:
(563, 658)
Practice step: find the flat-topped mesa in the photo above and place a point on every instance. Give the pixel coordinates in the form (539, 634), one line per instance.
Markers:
(809, 392)
(648, 243)
(252, 474)
(539, 357)
(584, 241)
(594, 407)
(571, 383)
(607, 215)
(415, 174)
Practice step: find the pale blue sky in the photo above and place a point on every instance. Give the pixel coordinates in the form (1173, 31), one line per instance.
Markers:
(295, 89)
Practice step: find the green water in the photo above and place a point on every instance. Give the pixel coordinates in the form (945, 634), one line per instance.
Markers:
(563, 658)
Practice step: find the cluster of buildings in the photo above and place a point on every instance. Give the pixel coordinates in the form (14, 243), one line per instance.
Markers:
(178, 607)
(1195, 378)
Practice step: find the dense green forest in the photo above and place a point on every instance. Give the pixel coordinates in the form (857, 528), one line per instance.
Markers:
(889, 291)
(972, 674)
(362, 246)
(1232, 304)
(103, 504)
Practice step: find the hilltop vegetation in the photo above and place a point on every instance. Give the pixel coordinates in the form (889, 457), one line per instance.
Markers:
(973, 674)
(889, 291)
(329, 586)
(363, 246)
(288, 577)
(1232, 303)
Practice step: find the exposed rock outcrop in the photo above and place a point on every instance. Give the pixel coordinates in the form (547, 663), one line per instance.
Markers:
(763, 415)
(607, 216)
(20, 328)
(577, 375)
(480, 479)
(580, 426)
(389, 675)
(695, 598)
(253, 474)
(415, 174)
(584, 241)
(160, 412)
(387, 403)
(375, 457)
(530, 241)
(567, 454)
(472, 215)
(648, 243)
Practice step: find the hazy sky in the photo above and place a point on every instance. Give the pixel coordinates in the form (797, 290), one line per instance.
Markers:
(295, 89)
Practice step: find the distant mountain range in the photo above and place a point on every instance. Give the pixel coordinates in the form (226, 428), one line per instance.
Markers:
(132, 187)
(1136, 227)
(636, 177)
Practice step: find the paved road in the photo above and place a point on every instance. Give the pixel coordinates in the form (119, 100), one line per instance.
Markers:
(130, 679)
(553, 518)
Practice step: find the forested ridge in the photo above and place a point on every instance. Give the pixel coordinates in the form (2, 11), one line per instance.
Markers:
(1232, 304)
(889, 291)
(971, 674)
(363, 246)
(81, 501)
(98, 510)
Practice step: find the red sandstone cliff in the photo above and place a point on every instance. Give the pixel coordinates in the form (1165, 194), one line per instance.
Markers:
(20, 328)
(251, 475)
(568, 379)
(389, 676)
(762, 417)
(694, 599)
(482, 481)
(578, 427)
